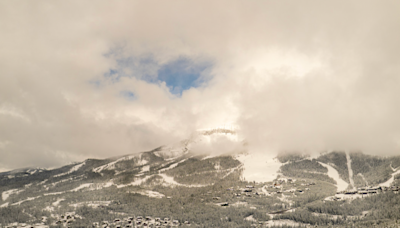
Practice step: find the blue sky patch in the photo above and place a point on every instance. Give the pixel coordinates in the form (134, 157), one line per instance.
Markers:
(179, 74)
(183, 74)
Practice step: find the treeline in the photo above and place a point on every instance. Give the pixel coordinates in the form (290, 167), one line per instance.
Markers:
(290, 156)
(395, 161)
(305, 216)
(385, 206)
(13, 214)
(374, 169)
(339, 208)
(306, 169)
(195, 165)
(307, 198)
(304, 165)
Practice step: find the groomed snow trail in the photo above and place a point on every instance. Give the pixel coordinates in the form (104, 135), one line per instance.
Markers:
(350, 169)
(389, 182)
(334, 174)
(259, 167)
(362, 176)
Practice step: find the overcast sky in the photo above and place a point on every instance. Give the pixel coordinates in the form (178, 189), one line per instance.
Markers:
(97, 79)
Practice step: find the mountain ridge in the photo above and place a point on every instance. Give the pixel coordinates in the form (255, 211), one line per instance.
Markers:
(173, 179)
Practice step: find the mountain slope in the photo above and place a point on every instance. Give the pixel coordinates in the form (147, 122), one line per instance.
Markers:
(224, 189)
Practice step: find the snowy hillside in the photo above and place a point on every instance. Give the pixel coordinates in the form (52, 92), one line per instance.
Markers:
(211, 170)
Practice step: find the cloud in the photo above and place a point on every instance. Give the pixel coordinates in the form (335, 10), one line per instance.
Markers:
(290, 74)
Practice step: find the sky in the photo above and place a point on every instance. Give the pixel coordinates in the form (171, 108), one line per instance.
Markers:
(97, 79)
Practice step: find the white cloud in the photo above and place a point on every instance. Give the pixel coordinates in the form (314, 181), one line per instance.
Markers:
(292, 75)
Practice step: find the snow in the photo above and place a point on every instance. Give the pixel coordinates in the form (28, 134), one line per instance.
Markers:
(392, 167)
(362, 176)
(93, 204)
(334, 174)
(345, 197)
(38, 225)
(91, 186)
(31, 171)
(53, 193)
(217, 166)
(230, 171)
(264, 190)
(7, 193)
(73, 169)
(283, 222)
(142, 162)
(68, 179)
(170, 181)
(56, 203)
(27, 199)
(291, 190)
(250, 218)
(111, 165)
(48, 208)
(209, 156)
(34, 170)
(98, 203)
(154, 194)
(172, 166)
(350, 169)
(284, 198)
(82, 186)
(259, 167)
(389, 182)
(151, 194)
(108, 166)
(43, 182)
(108, 184)
(145, 168)
(239, 204)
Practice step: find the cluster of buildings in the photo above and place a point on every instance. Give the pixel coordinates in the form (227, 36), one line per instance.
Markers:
(246, 191)
(251, 191)
(140, 221)
(67, 219)
(64, 220)
(361, 192)
(370, 190)
(24, 225)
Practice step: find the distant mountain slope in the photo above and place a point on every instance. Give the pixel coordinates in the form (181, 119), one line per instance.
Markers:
(171, 180)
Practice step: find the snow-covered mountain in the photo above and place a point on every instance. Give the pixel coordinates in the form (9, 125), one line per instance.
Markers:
(213, 167)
